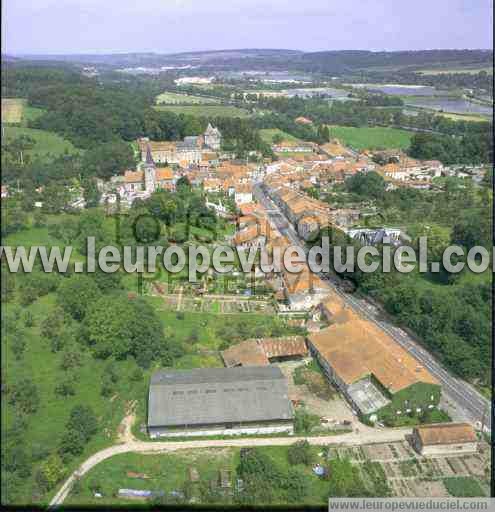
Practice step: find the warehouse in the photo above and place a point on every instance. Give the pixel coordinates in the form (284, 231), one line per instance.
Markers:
(377, 376)
(219, 401)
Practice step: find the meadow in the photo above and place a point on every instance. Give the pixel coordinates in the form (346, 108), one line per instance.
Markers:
(205, 110)
(46, 143)
(371, 137)
(267, 134)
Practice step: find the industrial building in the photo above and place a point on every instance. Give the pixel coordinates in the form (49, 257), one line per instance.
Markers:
(219, 401)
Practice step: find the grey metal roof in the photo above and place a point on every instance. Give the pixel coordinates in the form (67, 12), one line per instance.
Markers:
(218, 395)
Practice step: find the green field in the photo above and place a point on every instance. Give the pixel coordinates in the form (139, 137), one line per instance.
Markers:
(205, 110)
(172, 98)
(12, 110)
(371, 137)
(46, 142)
(267, 135)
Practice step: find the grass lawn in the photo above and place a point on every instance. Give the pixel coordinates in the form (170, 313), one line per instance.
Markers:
(205, 110)
(267, 135)
(173, 98)
(371, 137)
(12, 110)
(46, 142)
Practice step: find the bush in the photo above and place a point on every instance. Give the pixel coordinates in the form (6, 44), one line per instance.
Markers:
(304, 422)
(50, 473)
(300, 453)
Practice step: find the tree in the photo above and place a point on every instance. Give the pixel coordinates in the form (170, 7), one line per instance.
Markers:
(71, 359)
(300, 453)
(369, 184)
(16, 460)
(83, 418)
(108, 159)
(117, 326)
(76, 294)
(71, 444)
(18, 343)
(50, 473)
(24, 396)
(65, 388)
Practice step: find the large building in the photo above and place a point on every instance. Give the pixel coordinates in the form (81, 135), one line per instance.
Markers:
(444, 439)
(185, 152)
(219, 401)
(377, 376)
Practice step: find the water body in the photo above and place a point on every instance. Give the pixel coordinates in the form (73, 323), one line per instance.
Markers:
(454, 105)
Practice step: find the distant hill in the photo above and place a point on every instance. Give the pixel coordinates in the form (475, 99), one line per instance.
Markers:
(333, 62)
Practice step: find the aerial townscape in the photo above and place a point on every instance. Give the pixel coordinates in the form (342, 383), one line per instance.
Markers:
(244, 388)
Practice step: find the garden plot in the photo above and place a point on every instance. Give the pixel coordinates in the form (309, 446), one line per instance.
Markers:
(432, 489)
(475, 465)
(379, 452)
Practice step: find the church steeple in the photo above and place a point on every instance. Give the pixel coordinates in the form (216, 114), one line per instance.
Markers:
(149, 156)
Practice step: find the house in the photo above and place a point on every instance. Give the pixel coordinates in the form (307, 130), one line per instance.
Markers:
(219, 401)
(261, 352)
(377, 376)
(444, 439)
(243, 193)
(303, 120)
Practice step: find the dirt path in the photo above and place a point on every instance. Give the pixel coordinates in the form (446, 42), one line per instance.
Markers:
(124, 432)
(151, 447)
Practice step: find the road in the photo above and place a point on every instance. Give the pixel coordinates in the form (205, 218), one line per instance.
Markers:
(154, 447)
(470, 404)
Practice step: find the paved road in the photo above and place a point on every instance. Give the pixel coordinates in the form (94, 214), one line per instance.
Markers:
(470, 403)
(154, 447)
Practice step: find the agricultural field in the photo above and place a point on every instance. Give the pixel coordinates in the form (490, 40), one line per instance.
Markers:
(46, 143)
(205, 110)
(371, 137)
(172, 98)
(267, 134)
(12, 110)
(464, 117)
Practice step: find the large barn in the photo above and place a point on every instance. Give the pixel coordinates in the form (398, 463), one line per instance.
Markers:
(378, 377)
(219, 401)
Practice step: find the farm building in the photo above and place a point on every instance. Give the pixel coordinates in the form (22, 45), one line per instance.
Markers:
(219, 401)
(261, 352)
(444, 439)
(378, 377)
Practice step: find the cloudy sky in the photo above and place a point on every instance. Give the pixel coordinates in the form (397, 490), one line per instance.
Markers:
(99, 26)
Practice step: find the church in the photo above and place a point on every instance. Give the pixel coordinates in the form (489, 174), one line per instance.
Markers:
(186, 152)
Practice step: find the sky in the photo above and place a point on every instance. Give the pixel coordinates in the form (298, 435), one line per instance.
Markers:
(168, 26)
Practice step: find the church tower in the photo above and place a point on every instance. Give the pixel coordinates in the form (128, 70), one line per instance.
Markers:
(149, 172)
